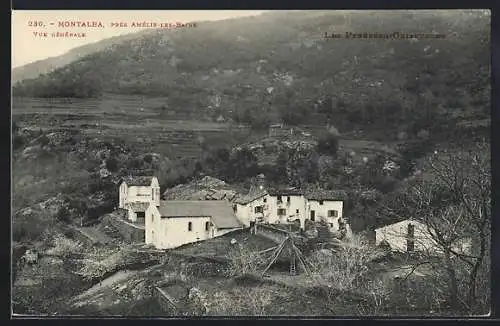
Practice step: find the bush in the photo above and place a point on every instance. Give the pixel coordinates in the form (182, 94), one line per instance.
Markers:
(243, 261)
(15, 127)
(79, 205)
(43, 140)
(344, 268)
(385, 184)
(148, 158)
(328, 144)
(26, 230)
(135, 163)
(344, 274)
(238, 301)
(63, 215)
(18, 141)
(64, 247)
(112, 164)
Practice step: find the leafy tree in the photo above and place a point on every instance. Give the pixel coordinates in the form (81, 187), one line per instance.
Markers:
(112, 164)
(18, 141)
(328, 144)
(15, 127)
(43, 140)
(63, 215)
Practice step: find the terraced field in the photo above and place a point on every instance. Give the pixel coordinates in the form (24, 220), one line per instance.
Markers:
(135, 119)
(147, 122)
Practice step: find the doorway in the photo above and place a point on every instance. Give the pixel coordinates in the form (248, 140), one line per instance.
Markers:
(313, 216)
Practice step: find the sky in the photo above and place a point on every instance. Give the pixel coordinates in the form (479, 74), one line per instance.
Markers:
(28, 46)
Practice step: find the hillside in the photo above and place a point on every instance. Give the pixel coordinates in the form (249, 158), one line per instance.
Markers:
(45, 66)
(278, 66)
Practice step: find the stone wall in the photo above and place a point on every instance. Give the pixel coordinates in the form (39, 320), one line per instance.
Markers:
(274, 234)
(128, 232)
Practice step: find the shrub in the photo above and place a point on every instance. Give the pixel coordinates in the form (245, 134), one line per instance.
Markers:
(344, 268)
(27, 230)
(64, 247)
(148, 158)
(385, 184)
(43, 140)
(244, 261)
(63, 215)
(134, 163)
(112, 164)
(328, 144)
(344, 274)
(18, 141)
(238, 301)
(15, 127)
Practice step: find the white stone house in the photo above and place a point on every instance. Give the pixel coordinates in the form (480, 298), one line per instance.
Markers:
(288, 205)
(136, 194)
(410, 235)
(174, 223)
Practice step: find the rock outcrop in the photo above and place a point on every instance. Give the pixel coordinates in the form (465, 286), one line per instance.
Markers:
(207, 188)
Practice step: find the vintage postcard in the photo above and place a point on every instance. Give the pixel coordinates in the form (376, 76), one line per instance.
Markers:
(251, 163)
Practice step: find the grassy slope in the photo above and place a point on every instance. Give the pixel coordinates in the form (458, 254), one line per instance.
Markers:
(34, 69)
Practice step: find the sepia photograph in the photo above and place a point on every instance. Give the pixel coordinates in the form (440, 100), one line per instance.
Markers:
(246, 163)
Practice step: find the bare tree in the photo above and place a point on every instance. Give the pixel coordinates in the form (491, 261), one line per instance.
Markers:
(345, 271)
(452, 198)
(244, 261)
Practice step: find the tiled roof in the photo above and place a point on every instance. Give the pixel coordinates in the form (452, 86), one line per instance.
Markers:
(138, 180)
(284, 192)
(395, 220)
(317, 194)
(220, 211)
(245, 199)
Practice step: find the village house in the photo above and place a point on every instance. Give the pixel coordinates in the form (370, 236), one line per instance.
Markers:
(136, 194)
(275, 206)
(279, 130)
(410, 235)
(174, 223)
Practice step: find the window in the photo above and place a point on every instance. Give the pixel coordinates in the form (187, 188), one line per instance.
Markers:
(313, 216)
(259, 209)
(297, 211)
(279, 199)
(331, 225)
(281, 211)
(207, 226)
(152, 217)
(235, 208)
(321, 202)
(141, 214)
(265, 200)
(153, 194)
(190, 226)
(333, 213)
(288, 199)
